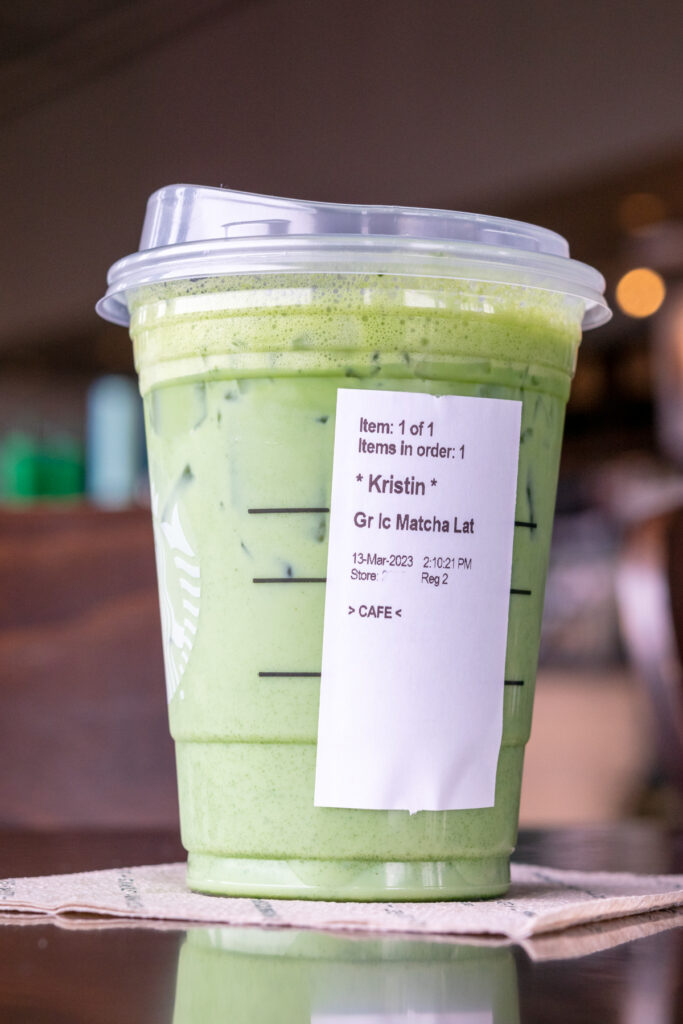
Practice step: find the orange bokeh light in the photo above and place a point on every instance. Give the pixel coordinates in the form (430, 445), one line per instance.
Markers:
(640, 292)
(640, 209)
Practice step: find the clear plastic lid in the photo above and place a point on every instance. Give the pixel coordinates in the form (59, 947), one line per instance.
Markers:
(193, 231)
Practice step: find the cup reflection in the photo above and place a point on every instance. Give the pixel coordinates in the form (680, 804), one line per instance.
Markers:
(254, 976)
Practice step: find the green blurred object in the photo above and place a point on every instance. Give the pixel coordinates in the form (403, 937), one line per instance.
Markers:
(31, 469)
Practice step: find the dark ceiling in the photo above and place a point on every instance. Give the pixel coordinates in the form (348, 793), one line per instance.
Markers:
(47, 48)
(28, 27)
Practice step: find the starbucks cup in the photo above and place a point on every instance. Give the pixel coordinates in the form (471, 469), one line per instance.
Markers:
(354, 418)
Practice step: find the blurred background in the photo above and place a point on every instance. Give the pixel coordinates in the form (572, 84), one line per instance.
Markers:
(566, 115)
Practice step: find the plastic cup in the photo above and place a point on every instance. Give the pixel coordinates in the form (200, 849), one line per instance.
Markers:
(248, 316)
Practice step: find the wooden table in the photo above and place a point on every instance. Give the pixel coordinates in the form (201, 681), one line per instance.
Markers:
(113, 973)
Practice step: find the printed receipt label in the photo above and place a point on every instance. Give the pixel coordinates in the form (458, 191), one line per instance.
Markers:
(416, 607)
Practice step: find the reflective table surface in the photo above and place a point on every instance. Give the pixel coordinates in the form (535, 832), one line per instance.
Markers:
(99, 970)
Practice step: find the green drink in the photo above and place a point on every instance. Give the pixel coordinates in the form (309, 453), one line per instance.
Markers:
(240, 369)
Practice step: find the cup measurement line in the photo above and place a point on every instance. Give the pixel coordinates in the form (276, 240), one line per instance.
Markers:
(323, 579)
(289, 579)
(530, 526)
(289, 675)
(317, 675)
(283, 511)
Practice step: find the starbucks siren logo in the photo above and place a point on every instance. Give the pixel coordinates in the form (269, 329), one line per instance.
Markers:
(179, 590)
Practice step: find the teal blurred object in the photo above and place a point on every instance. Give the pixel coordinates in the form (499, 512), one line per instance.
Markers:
(31, 469)
(115, 441)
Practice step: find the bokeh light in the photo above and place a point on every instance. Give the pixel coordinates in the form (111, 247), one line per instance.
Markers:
(640, 292)
(639, 210)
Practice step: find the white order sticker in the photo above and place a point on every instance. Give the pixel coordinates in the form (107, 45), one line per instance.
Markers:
(416, 607)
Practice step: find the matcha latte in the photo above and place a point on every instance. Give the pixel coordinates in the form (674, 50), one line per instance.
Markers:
(240, 367)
